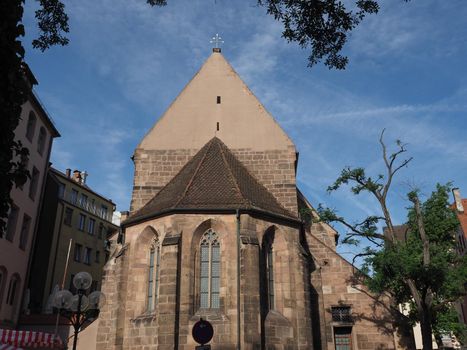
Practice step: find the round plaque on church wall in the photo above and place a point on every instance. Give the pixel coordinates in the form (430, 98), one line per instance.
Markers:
(202, 332)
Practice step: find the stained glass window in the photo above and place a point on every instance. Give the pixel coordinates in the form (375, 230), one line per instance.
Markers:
(153, 275)
(209, 270)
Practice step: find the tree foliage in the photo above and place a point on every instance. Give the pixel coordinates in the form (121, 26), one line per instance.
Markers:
(421, 267)
(53, 24)
(443, 276)
(322, 26)
(13, 93)
(14, 88)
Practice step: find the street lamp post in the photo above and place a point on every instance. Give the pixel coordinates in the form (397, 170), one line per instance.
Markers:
(79, 308)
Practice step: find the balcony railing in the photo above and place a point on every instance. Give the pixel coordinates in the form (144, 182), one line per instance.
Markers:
(87, 205)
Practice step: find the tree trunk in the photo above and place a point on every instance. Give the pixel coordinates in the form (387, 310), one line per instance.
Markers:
(425, 325)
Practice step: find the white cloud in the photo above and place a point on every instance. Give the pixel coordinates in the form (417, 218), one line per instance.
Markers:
(260, 53)
(61, 158)
(416, 28)
(127, 61)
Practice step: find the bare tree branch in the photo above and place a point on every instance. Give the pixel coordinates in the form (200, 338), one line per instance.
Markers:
(390, 174)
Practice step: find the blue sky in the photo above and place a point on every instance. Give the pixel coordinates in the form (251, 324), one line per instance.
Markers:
(126, 62)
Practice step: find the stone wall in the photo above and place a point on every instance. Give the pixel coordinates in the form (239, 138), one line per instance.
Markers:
(111, 317)
(333, 285)
(275, 169)
(309, 281)
(126, 325)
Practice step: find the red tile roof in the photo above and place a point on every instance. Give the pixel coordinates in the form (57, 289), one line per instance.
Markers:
(462, 216)
(213, 179)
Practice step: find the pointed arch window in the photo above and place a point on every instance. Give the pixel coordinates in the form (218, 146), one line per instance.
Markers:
(210, 270)
(268, 270)
(153, 275)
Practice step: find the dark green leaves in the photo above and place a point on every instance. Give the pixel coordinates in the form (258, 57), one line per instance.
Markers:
(157, 2)
(358, 179)
(13, 93)
(322, 25)
(53, 23)
(417, 263)
(446, 273)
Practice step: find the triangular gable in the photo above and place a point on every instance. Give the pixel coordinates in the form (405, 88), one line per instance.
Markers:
(195, 116)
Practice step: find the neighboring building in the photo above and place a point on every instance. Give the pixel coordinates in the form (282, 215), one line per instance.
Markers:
(214, 232)
(460, 206)
(76, 217)
(36, 132)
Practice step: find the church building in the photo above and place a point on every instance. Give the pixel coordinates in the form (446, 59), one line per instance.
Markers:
(215, 231)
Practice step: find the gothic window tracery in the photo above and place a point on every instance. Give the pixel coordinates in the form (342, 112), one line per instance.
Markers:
(209, 270)
(153, 274)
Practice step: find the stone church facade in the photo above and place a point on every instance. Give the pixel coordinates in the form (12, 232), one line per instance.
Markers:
(214, 232)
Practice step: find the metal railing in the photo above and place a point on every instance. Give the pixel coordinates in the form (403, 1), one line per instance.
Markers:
(89, 206)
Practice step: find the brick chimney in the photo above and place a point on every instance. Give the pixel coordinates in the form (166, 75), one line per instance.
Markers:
(84, 175)
(77, 176)
(124, 215)
(68, 172)
(458, 200)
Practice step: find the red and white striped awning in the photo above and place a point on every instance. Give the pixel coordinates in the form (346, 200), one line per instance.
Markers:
(9, 347)
(29, 339)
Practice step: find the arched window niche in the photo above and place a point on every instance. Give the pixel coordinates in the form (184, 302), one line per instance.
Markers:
(145, 272)
(267, 270)
(208, 273)
(153, 275)
(209, 276)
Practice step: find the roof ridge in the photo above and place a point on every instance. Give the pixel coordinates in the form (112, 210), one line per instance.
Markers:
(194, 174)
(213, 179)
(253, 177)
(245, 199)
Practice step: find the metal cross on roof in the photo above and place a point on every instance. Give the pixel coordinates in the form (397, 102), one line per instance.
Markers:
(216, 40)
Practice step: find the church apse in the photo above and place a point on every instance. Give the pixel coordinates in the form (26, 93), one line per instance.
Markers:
(214, 232)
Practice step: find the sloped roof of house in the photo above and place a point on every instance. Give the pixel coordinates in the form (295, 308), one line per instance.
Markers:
(462, 216)
(400, 232)
(213, 179)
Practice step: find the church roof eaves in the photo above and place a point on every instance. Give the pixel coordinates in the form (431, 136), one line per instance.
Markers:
(263, 213)
(213, 180)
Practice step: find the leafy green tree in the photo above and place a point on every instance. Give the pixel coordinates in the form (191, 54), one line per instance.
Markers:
(321, 25)
(421, 267)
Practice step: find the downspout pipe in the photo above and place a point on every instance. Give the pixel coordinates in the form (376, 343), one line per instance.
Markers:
(237, 214)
